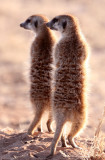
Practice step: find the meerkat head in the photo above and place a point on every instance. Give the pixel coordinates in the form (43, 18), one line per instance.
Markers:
(35, 23)
(62, 23)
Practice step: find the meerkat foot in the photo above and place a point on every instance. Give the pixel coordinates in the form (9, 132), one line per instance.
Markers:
(49, 126)
(73, 144)
(49, 156)
(64, 144)
(39, 129)
(63, 141)
(29, 131)
(50, 130)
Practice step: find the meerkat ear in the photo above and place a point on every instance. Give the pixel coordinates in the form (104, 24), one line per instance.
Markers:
(36, 24)
(64, 24)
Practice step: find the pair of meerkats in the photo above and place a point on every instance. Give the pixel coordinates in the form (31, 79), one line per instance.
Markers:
(67, 101)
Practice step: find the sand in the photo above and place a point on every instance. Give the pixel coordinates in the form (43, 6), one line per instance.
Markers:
(21, 146)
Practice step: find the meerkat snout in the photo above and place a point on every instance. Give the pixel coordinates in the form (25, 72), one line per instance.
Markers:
(57, 24)
(32, 24)
(22, 25)
(53, 24)
(50, 25)
(27, 24)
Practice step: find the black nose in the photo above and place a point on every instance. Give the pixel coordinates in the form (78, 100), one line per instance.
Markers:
(48, 24)
(21, 25)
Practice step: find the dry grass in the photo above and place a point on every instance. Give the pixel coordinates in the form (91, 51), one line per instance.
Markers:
(98, 147)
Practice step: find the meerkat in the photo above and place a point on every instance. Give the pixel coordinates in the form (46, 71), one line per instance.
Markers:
(40, 69)
(69, 100)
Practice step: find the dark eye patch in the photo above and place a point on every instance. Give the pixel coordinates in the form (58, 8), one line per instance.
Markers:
(64, 24)
(28, 21)
(55, 20)
(36, 24)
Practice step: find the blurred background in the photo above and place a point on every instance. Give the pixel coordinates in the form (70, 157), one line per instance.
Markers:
(15, 108)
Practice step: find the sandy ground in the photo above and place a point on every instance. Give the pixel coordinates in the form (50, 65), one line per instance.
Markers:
(21, 146)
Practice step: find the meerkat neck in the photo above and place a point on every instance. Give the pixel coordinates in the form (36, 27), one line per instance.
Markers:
(71, 32)
(41, 46)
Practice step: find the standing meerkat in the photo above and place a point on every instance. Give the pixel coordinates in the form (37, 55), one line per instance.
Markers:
(40, 69)
(69, 100)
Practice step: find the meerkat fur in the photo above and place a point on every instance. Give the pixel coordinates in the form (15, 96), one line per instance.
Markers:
(40, 69)
(69, 99)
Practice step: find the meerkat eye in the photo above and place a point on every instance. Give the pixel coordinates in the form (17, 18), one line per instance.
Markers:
(64, 24)
(55, 20)
(36, 24)
(28, 21)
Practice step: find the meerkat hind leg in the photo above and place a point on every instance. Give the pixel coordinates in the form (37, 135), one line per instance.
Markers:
(63, 137)
(49, 127)
(58, 132)
(35, 121)
(63, 141)
(75, 128)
